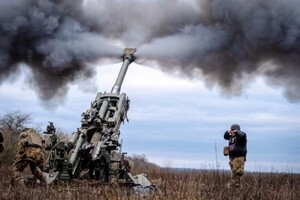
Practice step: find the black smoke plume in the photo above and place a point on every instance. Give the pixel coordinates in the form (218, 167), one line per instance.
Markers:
(224, 42)
(49, 37)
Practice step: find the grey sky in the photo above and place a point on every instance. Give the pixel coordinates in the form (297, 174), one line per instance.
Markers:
(177, 122)
(223, 62)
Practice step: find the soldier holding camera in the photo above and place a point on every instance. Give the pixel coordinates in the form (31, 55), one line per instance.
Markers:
(237, 150)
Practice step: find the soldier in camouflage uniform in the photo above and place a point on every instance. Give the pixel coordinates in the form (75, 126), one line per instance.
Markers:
(237, 153)
(30, 152)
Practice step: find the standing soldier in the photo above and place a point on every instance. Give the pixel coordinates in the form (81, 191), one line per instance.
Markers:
(237, 151)
(30, 152)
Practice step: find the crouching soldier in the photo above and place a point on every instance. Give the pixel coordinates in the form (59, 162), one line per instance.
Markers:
(30, 151)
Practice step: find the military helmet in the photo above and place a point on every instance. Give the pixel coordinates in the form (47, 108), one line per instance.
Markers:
(235, 127)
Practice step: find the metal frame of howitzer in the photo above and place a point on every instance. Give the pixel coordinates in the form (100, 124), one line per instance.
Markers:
(92, 147)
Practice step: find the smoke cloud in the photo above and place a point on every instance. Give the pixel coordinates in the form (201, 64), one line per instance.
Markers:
(225, 43)
(234, 41)
(49, 37)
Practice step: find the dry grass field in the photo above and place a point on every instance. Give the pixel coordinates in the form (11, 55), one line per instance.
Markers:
(172, 184)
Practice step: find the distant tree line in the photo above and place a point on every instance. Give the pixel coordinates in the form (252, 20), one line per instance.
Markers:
(11, 124)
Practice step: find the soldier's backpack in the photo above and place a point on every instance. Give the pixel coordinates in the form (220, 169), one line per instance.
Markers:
(29, 137)
(32, 144)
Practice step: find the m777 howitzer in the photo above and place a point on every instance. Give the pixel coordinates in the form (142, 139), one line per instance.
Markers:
(90, 152)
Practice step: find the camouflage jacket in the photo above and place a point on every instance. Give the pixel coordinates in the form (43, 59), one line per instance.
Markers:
(30, 146)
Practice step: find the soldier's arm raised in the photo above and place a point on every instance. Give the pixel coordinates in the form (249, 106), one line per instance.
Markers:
(227, 135)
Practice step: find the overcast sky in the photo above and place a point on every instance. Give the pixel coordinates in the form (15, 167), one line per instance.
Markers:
(176, 122)
(201, 66)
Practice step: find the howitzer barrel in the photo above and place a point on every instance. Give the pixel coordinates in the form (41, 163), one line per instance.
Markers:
(128, 58)
(78, 145)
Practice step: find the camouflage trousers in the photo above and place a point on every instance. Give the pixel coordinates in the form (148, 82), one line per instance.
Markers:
(32, 157)
(237, 170)
(19, 168)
